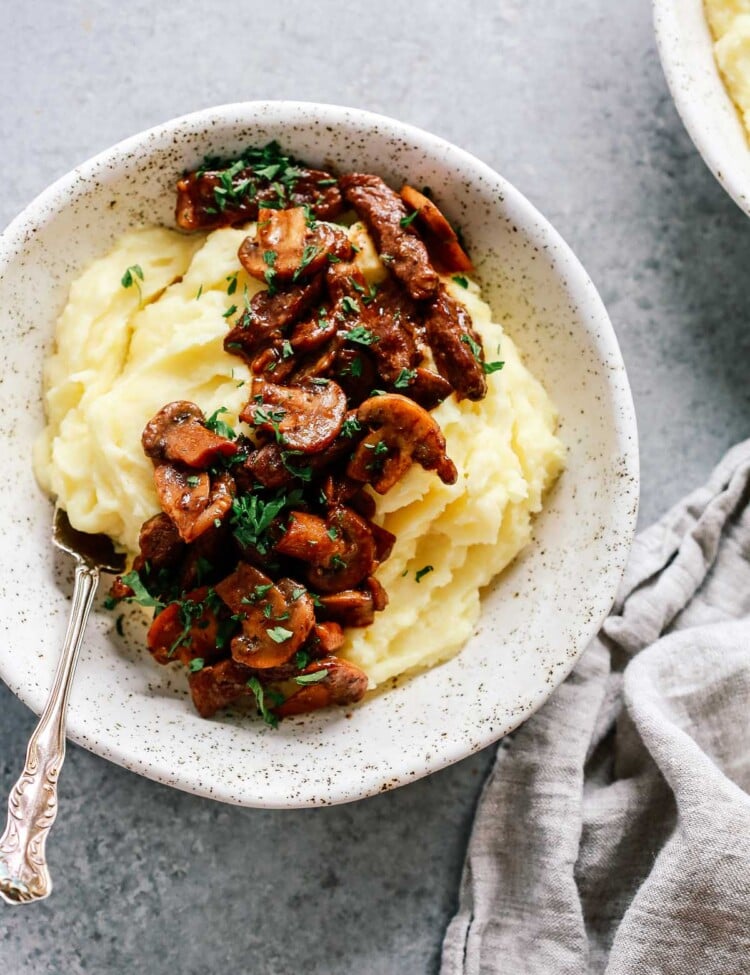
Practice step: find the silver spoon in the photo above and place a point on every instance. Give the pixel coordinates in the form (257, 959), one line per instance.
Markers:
(32, 806)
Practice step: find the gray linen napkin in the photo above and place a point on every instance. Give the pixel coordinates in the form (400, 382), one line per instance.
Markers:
(613, 834)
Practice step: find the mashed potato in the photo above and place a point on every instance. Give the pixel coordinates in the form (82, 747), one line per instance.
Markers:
(730, 25)
(122, 353)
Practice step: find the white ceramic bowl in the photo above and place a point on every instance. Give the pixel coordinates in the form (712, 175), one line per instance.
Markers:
(686, 51)
(536, 619)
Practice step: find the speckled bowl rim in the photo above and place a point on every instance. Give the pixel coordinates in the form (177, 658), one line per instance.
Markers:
(685, 45)
(582, 293)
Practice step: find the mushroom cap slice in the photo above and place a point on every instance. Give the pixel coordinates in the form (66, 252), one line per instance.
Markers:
(286, 248)
(306, 417)
(342, 683)
(407, 434)
(192, 500)
(443, 243)
(177, 433)
(276, 618)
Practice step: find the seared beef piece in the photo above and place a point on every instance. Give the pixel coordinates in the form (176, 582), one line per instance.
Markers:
(428, 388)
(203, 202)
(215, 686)
(400, 247)
(270, 314)
(159, 543)
(354, 370)
(177, 434)
(267, 467)
(390, 317)
(343, 683)
(456, 347)
(306, 417)
(193, 501)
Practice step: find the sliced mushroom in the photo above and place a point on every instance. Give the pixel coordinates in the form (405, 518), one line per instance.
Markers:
(185, 630)
(216, 686)
(306, 417)
(342, 683)
(354, 607)
(191, 500)
(456, 347)
(402, 433)
(325, 639)
(442, 240)
(287, 248)
(356, 559)
(177, 433)
(276, 618)
(397, 243)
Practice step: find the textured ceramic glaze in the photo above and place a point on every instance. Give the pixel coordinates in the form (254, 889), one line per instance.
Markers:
(536, 618)
(687, 56)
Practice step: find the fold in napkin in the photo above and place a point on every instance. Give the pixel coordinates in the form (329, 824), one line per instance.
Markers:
(613, 834)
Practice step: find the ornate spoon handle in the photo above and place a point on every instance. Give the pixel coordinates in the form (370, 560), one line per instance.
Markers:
(32, 806)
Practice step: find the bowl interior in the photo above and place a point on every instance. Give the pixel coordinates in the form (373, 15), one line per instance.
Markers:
(686, 51)
(536, 619)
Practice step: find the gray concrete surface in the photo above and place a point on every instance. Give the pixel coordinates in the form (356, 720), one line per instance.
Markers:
(567, 100)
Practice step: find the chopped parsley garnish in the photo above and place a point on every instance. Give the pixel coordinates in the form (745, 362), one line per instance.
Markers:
(271, 417)
(351, 425)
(490, 367)
(327, 182)
(333, 533)
(141, 595)
(460, 279)
(421, 573)
(349, 305)
(405, 378)
(131, 277)
(405, 221)
(286, 349)
(200, 292)
(232, 286)
(302, 471)
(252, 516)
(301, 659)
(297, 594)
(269, 259)
(196, 664)
(118, 624)
(314, 678)
(361, 335)
(310, 251)
(230, 311)
(193, 480)
(476, 349)
(258, 593)
(279, 634)
(219, 426)
(260, 699)
(337, 562)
